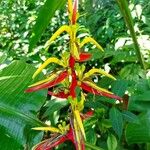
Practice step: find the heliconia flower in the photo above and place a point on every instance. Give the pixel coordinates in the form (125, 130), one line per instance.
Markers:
(101, 92)
(50, 84)
(90, 40)
(84, 57)
(70, 132)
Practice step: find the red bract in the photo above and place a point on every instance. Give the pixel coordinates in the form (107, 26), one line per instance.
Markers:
(55, 141)
(50, 84)
(84, 57)
(89, 89)
(74, 15)
(71, 62)
(73, 85)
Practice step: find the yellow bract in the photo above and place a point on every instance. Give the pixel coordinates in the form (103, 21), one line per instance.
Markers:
(47, 62)
(50, 78)
(70, 6)
(96, 87)
(81, 102)
(51, 129)
(79, 122)
(100, 71)
(57, 33)
(75, 51)
(90, 40)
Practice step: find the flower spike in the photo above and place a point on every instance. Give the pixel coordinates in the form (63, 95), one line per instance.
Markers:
(90, 40)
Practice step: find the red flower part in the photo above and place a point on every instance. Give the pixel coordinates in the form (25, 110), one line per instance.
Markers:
(55, 141)
(87, 88)
(73, 85)
(50, 143)
(71, 62)
(84, 57)
(74, 15)
(61, 94)
(50, 84)
(78, 144)
(87, 115)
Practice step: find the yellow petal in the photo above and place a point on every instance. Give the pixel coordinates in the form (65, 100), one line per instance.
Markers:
(96, 87)
(79, 122)
(51, 129)
(50, 78)
(100, 71)
(57, 33)
(47, 62)
(90, 40)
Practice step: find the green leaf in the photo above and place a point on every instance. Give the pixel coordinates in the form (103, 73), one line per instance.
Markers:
(140, 102)
(119, 87)
(18, 109)
(54, 105)
(3, 57)
(91, 136)
(111, 142)
(117, 121)
(46, 13)
(130, 117)
(139, 133)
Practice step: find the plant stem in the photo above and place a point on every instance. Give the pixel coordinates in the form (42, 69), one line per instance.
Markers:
(129, 22)
(93, 146)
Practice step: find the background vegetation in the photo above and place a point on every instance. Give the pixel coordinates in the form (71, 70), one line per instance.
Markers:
(113, 126)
